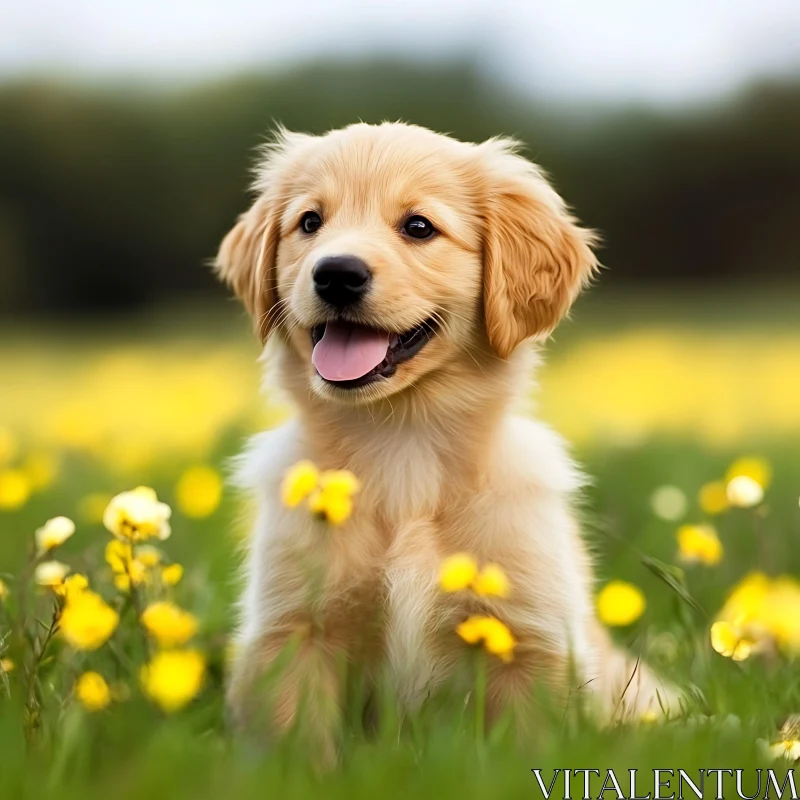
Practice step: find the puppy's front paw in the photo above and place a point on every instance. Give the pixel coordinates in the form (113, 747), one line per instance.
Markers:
(296, 701)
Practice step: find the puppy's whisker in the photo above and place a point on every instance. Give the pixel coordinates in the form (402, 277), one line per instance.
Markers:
(282, 317)
(469, 352)
(391, 414)
(273, 314)
(438, 315)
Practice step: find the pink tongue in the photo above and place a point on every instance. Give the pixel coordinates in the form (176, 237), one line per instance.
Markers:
(347, 352)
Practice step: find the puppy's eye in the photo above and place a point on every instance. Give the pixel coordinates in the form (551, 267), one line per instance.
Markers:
(311, 222)
(418, 227)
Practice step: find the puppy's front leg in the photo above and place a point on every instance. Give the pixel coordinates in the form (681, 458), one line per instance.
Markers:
(287, 680)
(513, 688)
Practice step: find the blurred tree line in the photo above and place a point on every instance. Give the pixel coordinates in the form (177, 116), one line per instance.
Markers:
(110, 198)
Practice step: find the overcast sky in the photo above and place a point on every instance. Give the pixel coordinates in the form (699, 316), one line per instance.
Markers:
(665, 51)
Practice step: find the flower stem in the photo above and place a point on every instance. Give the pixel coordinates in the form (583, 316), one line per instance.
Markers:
(480, 697)
(31, 703)
(136, 601)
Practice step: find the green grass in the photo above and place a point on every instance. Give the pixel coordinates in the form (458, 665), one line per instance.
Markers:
(132, 750)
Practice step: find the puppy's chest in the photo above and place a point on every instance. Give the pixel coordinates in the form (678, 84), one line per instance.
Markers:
(403, 477)
(380, 555)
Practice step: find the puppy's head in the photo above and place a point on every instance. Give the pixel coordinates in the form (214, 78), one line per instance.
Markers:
(383, 253)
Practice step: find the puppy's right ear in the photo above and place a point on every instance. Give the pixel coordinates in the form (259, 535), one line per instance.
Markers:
(246, 263)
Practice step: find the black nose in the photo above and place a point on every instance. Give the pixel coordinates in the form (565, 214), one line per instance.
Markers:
(341, 280)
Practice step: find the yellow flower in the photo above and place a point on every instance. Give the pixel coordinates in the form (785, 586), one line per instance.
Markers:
(169, 625)
(92, 507)
(135, 573)
(788, 744)
(41, 469)
(54, 533)
(471, 629)
(72, 586)
(498, 639)
(199, 491)
(496, 636)
(729, 641)
(744, 492)
(126, 568)
(15, 489)
(753, 467)
(620, 603)
(339, 481)
(713, 497)
(699, 543)
(748, 599)
(6, 665)
(51, 573)
(148, 556)
(781, 612)
(491, 581)
(336, 508)
(457, 572)
(171, 575)
(3, 590)
(92, 691)
(334, 497)
(330, 494)
(118, 555)
(788, 749)
(299, 482)
(668, 503)
(137, 515)
(763, 610)
(87, 621)
(173, 678)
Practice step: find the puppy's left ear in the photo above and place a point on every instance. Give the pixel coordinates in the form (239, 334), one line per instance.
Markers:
(536, 257)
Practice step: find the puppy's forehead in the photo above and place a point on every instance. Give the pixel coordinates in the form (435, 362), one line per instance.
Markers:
(388, 170)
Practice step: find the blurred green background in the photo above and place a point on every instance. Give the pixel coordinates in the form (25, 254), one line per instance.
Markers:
(113, 197)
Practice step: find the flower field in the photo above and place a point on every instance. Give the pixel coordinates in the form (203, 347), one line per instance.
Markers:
(119, 543)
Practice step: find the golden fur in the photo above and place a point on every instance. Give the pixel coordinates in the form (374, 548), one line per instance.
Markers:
(446, 465)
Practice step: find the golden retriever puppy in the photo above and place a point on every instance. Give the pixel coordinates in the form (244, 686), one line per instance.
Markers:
(404, 279)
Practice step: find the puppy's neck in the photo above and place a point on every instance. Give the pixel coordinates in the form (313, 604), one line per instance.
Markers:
(451, 415)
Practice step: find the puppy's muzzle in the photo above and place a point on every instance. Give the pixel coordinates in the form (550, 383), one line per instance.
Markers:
(341, 280)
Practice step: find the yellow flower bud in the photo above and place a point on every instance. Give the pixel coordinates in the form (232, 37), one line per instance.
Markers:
(620, 603)
(299, 482)
(457, 572)
(54, 533)
(173, 678)
(87, 621)
(744, 492)
(169, 625)
(491, 581)
(171, 575)
(699, 543)
(92, 691)
(51, 573)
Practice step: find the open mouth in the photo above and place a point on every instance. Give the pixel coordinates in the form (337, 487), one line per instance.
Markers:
(347, 355)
